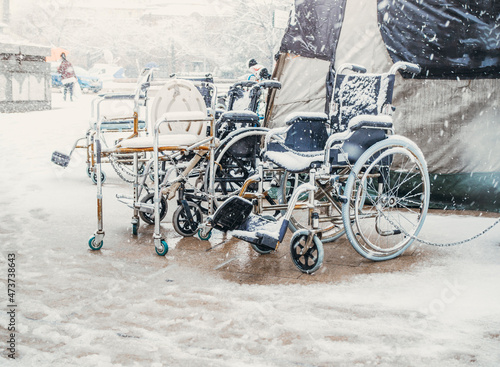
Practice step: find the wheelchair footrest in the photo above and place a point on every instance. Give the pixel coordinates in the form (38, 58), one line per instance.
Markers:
(259, 231)
(60, 159)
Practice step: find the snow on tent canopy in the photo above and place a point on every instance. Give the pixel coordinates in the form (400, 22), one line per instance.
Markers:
(451, 110)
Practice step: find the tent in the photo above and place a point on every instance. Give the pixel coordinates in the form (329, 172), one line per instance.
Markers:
(451, 109)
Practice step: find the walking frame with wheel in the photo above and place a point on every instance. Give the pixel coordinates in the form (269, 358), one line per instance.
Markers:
(117, 114)
(182, 126)
(360, 178)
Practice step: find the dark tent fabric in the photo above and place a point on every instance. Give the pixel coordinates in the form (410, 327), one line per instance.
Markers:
(447, 39)
(314, 29)
(451, 111)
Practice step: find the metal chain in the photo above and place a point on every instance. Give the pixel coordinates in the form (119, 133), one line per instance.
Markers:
(119, 172)
(300, 154)
(435, 243)
(425, 242)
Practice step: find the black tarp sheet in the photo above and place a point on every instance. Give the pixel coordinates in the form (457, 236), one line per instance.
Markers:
(448, 39)
(314, 29)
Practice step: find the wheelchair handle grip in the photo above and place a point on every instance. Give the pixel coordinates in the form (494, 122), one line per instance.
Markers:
(270, 84)
(353, 67)
(358, 68)
(245, 84)
(405, 66)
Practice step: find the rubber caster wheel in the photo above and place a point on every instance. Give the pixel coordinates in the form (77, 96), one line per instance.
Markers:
(163, 250)
(94, 177)
(263, 250)
(149, 218)
(93, 245)
(206, 237)
(89, 172)
(135, 227)
(181, 221)
(307, 261)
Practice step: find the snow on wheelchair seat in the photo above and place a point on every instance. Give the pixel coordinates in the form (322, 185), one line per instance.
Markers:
(182, 106)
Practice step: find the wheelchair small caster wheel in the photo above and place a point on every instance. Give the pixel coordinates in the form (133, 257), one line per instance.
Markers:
(181, 222)
(149, 218)
(309, 259)
(93, 245)
(89, 171)
(135, 227)
(204, 236)
(162, 251)
(94, 177)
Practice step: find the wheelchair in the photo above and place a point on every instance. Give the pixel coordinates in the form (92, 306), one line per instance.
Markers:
(235, 158)
(120, 114)
(343, 173)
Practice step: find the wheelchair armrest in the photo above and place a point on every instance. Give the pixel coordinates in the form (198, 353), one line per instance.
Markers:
(117, 96)
(274, 133)
(370, 121)
(310, 116)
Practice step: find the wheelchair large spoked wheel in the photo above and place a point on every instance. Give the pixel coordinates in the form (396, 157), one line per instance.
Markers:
(329, 210)
(387, 199)
(235, 161)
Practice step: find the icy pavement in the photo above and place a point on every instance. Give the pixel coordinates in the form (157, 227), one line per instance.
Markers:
(219, 303)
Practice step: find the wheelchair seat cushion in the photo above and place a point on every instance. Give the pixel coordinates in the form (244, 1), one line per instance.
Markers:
(292, 161)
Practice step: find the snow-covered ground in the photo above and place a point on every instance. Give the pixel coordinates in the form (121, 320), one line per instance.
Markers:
(125, 306)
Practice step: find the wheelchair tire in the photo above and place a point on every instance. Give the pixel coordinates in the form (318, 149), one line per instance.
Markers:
(93, 177)
(231, 170)
(310, 260)
(299, 220)
(387, 195)
(93, 245)
(181, 222)
(163, 250)
(149, 217)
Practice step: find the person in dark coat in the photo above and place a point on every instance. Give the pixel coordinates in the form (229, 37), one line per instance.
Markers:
(68, 76)
(257, 71)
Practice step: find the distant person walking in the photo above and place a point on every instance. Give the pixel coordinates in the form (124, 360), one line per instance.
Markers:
(68, 76)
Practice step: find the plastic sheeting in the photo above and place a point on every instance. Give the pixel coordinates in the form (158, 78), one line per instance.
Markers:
(448, 39)
(314, 29)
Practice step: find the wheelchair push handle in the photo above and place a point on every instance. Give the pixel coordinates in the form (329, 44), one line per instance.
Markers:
(354, 67)
(405, 66)
(244, 84)
(270, 84)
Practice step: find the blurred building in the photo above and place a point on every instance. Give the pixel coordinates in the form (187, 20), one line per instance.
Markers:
(24, 74)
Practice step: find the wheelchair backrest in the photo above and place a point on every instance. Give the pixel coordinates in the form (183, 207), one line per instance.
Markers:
(306, 133)
(180, 96)
(240, 96)
(359, 94)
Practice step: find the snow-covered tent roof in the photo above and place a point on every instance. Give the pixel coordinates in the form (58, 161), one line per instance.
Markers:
(451, 110)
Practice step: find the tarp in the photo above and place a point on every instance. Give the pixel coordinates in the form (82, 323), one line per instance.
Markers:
(314, 29)
(446, 38)
(452, 111)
